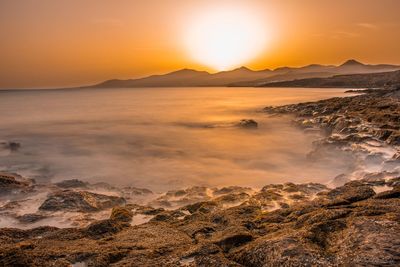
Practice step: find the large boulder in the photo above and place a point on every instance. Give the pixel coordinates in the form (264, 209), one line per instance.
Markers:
(81, 201)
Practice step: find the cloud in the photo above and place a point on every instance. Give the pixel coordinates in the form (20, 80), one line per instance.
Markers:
(369, 26)
(344, 34)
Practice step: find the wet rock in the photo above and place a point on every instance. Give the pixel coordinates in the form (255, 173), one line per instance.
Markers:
(149, 210)
(394, 193)
(214, 259)
(283, 251)
(350, 192)
(396, 156)
(232, 199)
(30, 218)
(73, 183)
(121, 214)
(81, 201)
(352, 124)
(380, 176)
(308, 233)
(161, 217)
(356, 249)
(12, 146)
(232, 237)
(247, 123)
(120, 219)
(393, 182)
(231, 190)
(183, 197)
(102, 228)
(12, 183)
(14, 257)
(134, 191)
(202, 207)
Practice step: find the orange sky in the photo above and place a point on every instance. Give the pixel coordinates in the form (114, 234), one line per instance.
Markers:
(48, 43)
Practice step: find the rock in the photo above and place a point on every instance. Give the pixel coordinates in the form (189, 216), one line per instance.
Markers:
(134, 191)
(14, 257)
(396, 156)
(394, 193)
(380, 176)
(350, 192)
(202, 207)
(12, 183)
(149, 211)
(30, 218)
(232, 199)
(161, 217)
(73, 183)
(119, 219)
(394, 139)
(81, 201)
(232, 238)
(281, 251)
(247, 123)
(122, 214)
(183, 197)
(231, 189)
(356, 249)
(106, 227)
(210, 255)
(308, 233)
(12, 146)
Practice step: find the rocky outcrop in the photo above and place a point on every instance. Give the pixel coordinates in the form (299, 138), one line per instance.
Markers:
(375, 114)
(361, 129)
(333, 229)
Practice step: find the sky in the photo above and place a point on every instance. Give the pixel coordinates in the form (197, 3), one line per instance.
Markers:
(47, 43)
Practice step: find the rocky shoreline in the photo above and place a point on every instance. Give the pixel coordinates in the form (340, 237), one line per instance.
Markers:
(352, 221)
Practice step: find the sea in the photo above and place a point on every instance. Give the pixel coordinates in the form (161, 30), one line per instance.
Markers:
(160, 138)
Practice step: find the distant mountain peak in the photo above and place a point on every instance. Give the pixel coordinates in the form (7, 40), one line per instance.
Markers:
(283, 69)
(186, 70)
(352, 62)
(244, 68)
(239, 69)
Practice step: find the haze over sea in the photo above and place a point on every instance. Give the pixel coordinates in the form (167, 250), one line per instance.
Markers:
(160, 138)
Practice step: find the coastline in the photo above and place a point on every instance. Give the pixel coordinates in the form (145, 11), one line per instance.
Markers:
(285, 224)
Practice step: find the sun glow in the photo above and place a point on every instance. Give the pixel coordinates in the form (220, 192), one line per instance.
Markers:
(225, 38)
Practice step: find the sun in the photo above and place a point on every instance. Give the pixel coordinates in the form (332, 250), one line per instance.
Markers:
(225, 38)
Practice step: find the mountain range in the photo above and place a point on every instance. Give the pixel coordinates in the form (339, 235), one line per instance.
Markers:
(246, 77)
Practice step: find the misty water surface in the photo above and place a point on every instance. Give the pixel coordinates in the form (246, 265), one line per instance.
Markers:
(159, 138)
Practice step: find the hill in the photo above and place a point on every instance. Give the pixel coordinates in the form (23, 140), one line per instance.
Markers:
(244, 76)
(369, 80)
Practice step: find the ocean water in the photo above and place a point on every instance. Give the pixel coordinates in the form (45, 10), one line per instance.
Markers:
(160, 138)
